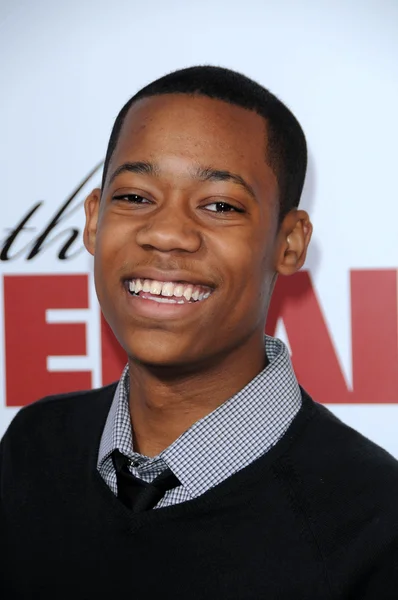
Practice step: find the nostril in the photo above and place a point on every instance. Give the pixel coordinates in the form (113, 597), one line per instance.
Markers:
(166, 237)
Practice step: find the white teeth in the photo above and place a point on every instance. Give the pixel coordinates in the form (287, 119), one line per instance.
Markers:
(156, 288)
(168, 289)
(179, 291)
(147, 286)
(188, 292)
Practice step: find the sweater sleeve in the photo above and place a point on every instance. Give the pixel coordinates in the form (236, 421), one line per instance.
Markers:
(3, 549)
(2, 492)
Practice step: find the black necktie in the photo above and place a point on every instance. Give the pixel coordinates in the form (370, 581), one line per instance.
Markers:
(136, 494)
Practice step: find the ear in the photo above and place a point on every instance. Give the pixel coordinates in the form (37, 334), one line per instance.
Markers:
(293, 240)
(91, 209)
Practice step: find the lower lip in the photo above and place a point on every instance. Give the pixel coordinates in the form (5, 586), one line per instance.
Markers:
(161, 310)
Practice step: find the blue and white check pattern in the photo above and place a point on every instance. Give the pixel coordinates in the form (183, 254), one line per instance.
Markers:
(223, 442)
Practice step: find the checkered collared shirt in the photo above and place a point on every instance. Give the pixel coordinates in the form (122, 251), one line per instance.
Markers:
(223, 442)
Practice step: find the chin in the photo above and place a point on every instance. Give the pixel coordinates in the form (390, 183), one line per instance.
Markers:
(159, 350)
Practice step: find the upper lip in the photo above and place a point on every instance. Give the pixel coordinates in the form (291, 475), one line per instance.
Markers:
(169, 276)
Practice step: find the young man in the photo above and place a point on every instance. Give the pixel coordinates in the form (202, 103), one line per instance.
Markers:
(206, 472)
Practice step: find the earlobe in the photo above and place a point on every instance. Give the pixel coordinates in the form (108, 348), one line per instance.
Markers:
(294, 238)
(91, 209)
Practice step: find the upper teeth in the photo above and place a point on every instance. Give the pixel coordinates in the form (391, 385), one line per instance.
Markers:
(169, 289)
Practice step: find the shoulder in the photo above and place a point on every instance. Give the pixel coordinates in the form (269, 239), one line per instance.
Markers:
(62, 405)
(346, 489)
(59, 415)
(329, 446)
(329, 455)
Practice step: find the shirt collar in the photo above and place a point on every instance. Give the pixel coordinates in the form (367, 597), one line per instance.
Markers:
(230, 437)
(117, 433)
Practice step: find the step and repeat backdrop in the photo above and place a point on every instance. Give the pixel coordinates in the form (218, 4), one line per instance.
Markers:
(67, 68)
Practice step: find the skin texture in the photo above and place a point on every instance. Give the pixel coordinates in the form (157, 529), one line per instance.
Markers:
(164, 224)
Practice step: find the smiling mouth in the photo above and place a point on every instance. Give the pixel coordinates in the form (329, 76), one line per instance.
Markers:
(168, 292)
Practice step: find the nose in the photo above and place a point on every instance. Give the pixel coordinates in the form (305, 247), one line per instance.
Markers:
(170, 229)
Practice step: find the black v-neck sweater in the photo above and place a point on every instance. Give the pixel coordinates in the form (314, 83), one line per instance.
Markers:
(314, 518)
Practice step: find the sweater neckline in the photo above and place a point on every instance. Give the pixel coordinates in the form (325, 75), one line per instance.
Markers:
(261, 465)
(253, 419)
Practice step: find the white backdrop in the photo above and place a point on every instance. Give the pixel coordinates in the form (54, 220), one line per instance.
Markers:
(67, 68)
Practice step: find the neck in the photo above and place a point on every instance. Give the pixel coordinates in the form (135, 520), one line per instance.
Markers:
(165, 403)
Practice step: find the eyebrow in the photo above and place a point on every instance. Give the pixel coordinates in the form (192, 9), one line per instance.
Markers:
(140, 167)
(209, 174)
(202, 173)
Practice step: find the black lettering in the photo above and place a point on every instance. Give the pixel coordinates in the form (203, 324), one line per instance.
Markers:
(59, 216)
(62, 255)
(9, 241)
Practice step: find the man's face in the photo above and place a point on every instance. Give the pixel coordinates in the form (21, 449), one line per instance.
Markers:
(184, 251)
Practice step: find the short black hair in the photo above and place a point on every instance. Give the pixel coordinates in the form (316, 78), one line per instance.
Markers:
(286, 151)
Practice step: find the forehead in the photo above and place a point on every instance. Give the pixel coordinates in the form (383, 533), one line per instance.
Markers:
(197, 128)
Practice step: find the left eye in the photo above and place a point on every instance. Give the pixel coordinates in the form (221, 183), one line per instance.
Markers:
(221, 207)
(132, 198)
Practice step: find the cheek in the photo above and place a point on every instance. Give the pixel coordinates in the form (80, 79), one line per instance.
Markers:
(103, 259)
(248, 273)
(113, 238)
(108, 261)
